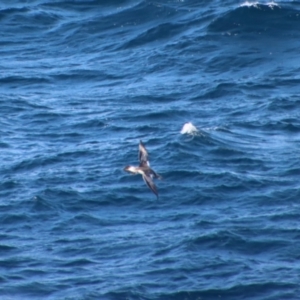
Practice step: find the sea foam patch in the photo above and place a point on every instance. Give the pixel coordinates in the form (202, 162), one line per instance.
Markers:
(189, 128)
(256, 4)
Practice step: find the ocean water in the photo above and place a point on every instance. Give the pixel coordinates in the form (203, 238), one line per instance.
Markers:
(82, 82)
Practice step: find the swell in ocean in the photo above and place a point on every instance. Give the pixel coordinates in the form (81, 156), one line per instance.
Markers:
(82, 83)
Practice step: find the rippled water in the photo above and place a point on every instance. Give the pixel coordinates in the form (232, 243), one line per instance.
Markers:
(82, 82)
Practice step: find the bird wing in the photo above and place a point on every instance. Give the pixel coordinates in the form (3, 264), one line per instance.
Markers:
(150, 184)
(143, 155)
(155, 175)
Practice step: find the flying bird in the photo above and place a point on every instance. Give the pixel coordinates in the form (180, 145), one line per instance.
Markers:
(144, 169)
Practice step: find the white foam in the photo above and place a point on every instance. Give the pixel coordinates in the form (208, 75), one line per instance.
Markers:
(256, 4)
(188, 128)
(249, 4)
(272, 4)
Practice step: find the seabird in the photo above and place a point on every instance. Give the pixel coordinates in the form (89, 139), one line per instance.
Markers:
(144, 169)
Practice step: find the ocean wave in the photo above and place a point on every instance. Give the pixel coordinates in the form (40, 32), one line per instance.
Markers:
(268, 19)
(82, 83)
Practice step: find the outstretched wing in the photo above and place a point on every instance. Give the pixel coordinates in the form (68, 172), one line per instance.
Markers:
(150, 184)
(155, 175)
(143, 155)
(149, 172)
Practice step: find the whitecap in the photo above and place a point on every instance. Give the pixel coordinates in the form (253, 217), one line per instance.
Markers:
(189, 128)
(256, 4)
(249, 4)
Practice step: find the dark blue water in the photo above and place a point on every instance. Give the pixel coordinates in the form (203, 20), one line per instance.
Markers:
(82, 82)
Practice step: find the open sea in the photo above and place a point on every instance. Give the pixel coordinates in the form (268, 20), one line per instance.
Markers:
(82, 82)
